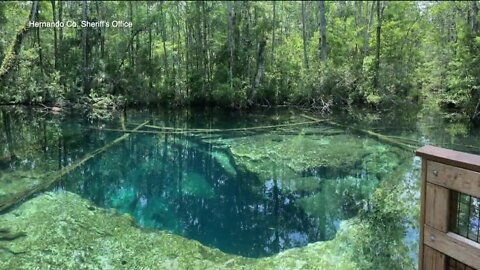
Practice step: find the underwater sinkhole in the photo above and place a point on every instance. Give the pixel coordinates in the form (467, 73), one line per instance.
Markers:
(252, 193)
(198, 191)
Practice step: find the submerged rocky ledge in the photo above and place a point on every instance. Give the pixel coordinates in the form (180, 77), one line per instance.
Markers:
(64, 231)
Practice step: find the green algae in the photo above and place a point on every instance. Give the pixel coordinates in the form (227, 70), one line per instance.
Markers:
(291, 156)
(355, 245)
(71, 233)
(301, 184)
(68, 234)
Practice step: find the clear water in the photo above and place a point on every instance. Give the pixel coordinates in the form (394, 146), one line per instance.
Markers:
(190, 186)
(175, 183)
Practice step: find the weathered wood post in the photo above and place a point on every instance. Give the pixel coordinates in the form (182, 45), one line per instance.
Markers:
(450, 210)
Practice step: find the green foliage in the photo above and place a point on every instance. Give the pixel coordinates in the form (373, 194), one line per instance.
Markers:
(103, 107)
(182, 53)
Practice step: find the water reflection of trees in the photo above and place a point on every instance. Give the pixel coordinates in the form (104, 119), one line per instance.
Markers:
(34, 145)
(173, 183)
(155, 178)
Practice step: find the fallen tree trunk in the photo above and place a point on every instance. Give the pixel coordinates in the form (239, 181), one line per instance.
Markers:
(207, 130)
(56, 176)
(379, 137)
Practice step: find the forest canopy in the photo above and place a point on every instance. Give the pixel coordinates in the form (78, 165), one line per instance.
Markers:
(238, 54)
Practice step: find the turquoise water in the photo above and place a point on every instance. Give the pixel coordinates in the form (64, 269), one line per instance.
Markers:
(252, 193)
(177, 183)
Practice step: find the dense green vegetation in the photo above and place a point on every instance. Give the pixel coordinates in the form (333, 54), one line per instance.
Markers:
(237, 54)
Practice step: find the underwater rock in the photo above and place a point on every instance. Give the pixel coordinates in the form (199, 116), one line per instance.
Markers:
(291, 156)
(195, 184)
(65, 236)
(296, 154)
(301, 184)
(224, 160)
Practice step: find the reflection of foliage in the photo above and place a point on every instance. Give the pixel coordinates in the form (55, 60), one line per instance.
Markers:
(354, 171)
(380, 233)
(38, 144)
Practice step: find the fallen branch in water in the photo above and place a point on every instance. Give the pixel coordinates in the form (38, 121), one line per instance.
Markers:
(454, 145)
(139, 131)
(172, 130)
(54, 109)
(56, 176)
(380, 137)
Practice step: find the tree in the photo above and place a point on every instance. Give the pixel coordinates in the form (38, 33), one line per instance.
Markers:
(304, 36)
(378, 47)
(86, 87)
(323, 31)
(10, 58)
(230, 41)
(260, 67)
(55, 43)
(273, 31)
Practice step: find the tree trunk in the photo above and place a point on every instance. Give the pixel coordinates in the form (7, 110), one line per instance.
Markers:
(474, 20)
(55, 42)
(366, 32)
(304, 35)
(60, 32)
(377, 55)
(323, 32)
(101, 31)
(260, 67)
(206, 45)
(230, 41)
(359, 24)
(273, 32)
(86, 88)
(150, 66)
(132, 47)
(248, 40)
(39, 42)
(164, 40)
(10, 58)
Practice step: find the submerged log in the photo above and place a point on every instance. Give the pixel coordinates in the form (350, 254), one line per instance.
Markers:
(213, 130)
(377, 136)
(56, 176)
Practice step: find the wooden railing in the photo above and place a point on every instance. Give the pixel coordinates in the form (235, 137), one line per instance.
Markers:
(450, 210)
